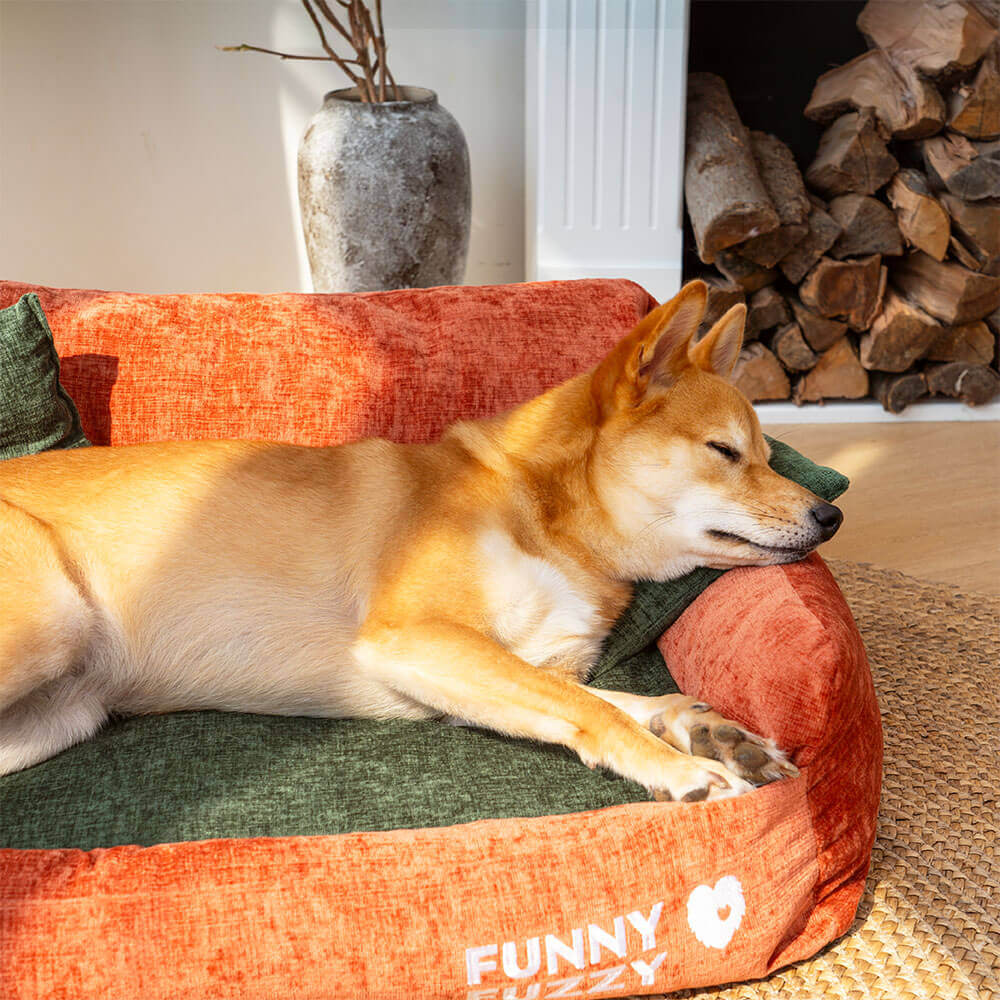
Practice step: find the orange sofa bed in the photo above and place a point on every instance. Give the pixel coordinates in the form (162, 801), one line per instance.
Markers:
(613, 898)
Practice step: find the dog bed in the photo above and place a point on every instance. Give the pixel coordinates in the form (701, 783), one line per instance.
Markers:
(165, 858)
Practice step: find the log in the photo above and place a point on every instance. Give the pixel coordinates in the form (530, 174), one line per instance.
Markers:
(929, 111)
(767, 309)
(937, 38)
(977, 226)
(908, 106)
(758, 374)
(990, 9)
(963, 256)
(823, 232)
(897, 392)
(922, 220)
(946, 290)
(974, 107)
(745, 273)
(971, 342)
(970, 170)
(852, 157)
(785, 188)
(868, 227)
(837, 375)
(725, 196)
(993, 322)
(899, 335)
(974, 385)
(723, 294)
(819, 332)
(851, 289)
(791, 349)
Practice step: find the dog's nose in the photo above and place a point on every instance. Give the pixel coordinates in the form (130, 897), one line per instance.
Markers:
(828, 518)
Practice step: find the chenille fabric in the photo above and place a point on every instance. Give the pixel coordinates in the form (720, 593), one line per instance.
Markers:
(323, 369)
(409, 912)
(191, 884)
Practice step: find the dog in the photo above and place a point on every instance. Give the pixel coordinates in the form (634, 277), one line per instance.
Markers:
(473, 579)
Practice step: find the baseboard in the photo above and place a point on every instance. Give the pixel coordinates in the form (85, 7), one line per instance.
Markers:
(871, 412)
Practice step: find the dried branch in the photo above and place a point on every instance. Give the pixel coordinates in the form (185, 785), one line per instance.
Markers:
(367, 37)
(368, 43)
(383, 49)
(270, 52)
(332, 18)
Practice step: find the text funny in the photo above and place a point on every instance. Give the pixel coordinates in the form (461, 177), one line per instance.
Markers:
(572, 959)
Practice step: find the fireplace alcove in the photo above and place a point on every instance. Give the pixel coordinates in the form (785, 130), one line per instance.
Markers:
(605, 137)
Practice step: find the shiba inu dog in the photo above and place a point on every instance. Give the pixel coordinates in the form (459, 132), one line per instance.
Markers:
(472, 579)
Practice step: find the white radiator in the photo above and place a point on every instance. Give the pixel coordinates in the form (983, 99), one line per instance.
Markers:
(605, 140)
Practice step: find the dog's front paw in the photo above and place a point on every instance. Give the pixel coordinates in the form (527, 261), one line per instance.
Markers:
(698, 781)
(697, 729)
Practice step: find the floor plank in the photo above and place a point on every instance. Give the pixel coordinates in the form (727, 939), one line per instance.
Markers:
(924, 497)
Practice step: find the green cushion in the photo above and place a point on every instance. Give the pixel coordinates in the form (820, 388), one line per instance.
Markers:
(202, 775)
(36, 413)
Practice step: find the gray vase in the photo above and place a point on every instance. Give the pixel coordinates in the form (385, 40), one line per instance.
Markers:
(384, 192)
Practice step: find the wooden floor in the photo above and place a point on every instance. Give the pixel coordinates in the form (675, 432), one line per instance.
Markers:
(924, 497)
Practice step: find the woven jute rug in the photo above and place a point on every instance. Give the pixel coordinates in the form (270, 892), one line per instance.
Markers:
(929, 924)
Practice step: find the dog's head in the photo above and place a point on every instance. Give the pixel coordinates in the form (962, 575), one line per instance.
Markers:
(679, 461)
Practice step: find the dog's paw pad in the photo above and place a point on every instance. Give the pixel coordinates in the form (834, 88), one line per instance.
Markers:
(705, 733)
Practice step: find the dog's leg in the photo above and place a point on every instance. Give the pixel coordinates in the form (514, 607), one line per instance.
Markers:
(47, 619)
(48, 720)
(47, 625)
(460, 672)
(691, 726)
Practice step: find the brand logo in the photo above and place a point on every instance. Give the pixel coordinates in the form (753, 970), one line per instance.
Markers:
(573, 963)
(556, 955)
(714, 914)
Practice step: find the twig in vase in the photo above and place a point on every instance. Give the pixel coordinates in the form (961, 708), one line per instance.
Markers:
(368, 44)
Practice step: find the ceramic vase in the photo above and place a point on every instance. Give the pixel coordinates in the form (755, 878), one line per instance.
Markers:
(384, 192)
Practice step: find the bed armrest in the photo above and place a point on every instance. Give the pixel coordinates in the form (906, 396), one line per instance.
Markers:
(777, 649)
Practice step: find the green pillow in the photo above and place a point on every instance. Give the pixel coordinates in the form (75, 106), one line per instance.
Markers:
(36, 412)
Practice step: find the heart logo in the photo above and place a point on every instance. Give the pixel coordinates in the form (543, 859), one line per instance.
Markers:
(714, 914)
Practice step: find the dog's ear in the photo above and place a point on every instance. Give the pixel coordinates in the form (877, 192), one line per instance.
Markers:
(718, 350)
(654, 354)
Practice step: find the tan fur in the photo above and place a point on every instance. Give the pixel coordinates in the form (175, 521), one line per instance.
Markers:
(474, 578)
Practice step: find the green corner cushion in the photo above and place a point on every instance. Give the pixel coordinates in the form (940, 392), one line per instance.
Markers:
(36, 413)
(204, 775)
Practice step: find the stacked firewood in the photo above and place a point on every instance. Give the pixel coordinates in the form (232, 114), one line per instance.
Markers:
(878, 271)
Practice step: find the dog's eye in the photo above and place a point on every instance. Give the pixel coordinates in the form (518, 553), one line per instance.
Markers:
(723, 449)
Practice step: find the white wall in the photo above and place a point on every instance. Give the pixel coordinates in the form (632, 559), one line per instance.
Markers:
(134, 155)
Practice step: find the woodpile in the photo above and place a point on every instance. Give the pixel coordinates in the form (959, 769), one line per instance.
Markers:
(875, 270)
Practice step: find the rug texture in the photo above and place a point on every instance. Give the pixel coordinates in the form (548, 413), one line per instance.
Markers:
(929, 923)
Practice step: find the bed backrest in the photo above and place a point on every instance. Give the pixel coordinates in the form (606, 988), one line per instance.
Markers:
(323, 369)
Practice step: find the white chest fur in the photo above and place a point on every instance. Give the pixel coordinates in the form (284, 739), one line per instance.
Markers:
(536, 611)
